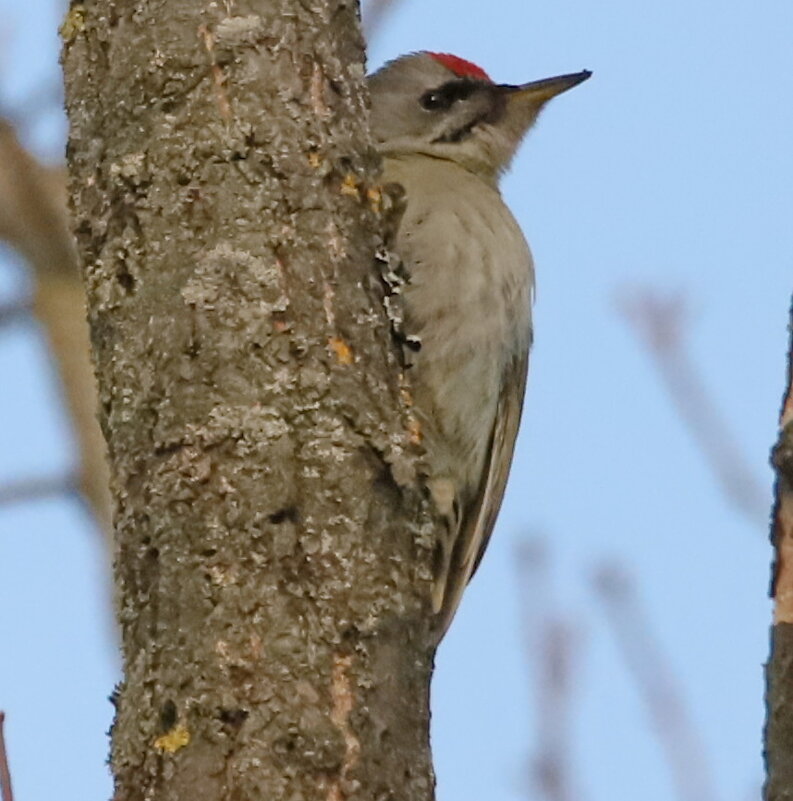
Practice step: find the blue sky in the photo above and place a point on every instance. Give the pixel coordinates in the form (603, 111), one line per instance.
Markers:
(671, 167)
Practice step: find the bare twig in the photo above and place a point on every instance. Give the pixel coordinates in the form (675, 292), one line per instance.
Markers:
(660, 323)
(15, 310)
(549, 642)
(6, 791)
(36, 489)
(531, 562)
(657, 685)
(554, 703)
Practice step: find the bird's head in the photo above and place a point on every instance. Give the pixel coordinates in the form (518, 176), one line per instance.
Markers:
(443, 106)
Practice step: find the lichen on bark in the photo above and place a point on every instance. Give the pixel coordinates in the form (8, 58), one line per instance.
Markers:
(273, 545)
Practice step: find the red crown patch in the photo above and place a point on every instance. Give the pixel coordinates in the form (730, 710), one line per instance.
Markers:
(461, 67)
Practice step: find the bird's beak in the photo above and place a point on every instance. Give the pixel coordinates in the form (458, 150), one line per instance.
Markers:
(538, 92)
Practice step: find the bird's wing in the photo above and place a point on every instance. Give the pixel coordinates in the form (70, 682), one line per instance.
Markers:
(479, 516)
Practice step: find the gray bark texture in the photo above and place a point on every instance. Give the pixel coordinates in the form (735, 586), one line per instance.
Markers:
(779, 670)
(273, 544)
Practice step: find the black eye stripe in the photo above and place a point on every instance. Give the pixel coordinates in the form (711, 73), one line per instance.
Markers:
(444, 96)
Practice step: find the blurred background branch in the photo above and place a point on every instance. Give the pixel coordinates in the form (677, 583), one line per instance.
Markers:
(660, 322)
(656, 683)
(36, 489)
(14, 311)
(33, 220)
(551, 644)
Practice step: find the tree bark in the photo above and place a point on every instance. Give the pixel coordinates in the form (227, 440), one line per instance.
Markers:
(273, 544)
(779, 670)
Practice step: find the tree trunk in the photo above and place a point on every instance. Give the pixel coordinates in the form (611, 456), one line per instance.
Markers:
(273, 545)
(779, 671)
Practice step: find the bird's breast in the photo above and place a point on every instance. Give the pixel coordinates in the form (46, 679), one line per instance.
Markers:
(468, 300)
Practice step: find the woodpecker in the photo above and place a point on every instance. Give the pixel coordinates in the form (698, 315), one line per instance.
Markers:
(446, 133)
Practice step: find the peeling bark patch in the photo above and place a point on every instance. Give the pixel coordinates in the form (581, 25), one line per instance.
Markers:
(218, 78)
(349, 186)
(414, 431)
(341, 349)
(337, 248)
(782, 524)
(317, 93)
(778, 730)
(415, 435)
(375, 198)
(343, 704)
(783, 534)
(327, 304)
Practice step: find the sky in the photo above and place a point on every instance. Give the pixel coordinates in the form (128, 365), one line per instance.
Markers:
(671, 168)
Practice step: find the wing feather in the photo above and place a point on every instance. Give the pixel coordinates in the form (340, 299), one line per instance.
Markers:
(479, 515)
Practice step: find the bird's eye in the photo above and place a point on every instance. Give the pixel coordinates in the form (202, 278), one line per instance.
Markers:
(435, 100)
(443, 97)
